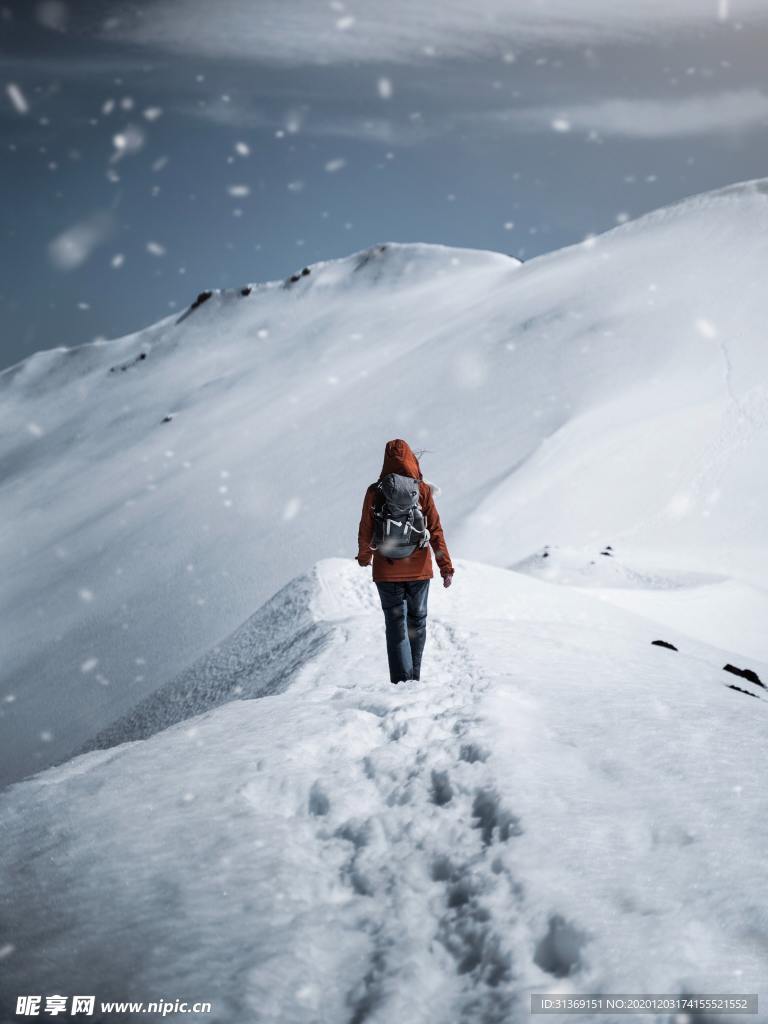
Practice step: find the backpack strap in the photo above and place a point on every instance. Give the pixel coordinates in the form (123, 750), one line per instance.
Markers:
(377, 495)
(376, 505)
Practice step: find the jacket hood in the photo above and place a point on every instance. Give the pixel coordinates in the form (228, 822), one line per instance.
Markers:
(399, 458)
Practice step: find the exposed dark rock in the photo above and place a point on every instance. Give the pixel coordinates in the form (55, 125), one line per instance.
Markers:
(201, 298)
(297, 277)
(745, 673)
(663, 643)
(122, 367)
(739, 690)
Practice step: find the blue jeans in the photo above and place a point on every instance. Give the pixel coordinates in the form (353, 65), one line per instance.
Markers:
(405, 619)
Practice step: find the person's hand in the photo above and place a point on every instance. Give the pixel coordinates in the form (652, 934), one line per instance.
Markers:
(447, 579)
(363, 565)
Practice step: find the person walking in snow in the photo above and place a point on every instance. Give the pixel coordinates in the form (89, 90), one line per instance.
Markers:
(398, 524)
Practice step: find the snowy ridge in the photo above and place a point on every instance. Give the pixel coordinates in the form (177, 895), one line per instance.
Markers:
(260, 658)
(532, 817)
(388, 263)
(394, 264)
(613, 390)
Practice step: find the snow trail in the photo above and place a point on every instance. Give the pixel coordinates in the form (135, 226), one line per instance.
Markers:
(425, 856)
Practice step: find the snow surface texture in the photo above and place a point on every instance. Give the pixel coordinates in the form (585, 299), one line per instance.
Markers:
(561, 806)
(158, 488)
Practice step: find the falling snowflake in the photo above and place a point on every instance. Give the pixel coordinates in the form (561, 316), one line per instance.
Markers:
(73, 247)
(706, 328)
(17, 98)
(53, 14)
(127, 142)
(293, 122)
(291, 509)
(679, 506)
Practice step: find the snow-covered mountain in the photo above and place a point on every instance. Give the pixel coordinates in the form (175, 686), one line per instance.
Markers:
(562, 804)
(158, 488)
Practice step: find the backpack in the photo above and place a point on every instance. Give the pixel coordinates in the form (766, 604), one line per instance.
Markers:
(399, 527)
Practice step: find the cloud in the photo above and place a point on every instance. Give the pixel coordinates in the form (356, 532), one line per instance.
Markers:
(703, 114)
(314, 32)
(31, 67)
(407, 130)
(651, 118)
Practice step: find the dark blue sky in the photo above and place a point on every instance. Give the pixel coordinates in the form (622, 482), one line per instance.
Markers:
(152, 150)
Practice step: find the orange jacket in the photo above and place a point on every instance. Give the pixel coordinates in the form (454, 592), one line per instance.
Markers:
(398, 458)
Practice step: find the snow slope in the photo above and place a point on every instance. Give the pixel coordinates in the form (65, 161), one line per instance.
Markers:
(558, 807)
(700, 604)
(612, 392)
